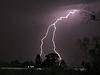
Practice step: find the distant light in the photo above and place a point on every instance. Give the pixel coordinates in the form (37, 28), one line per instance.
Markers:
(39, 68)
(79, 69)
(30, 66)
(13, 68)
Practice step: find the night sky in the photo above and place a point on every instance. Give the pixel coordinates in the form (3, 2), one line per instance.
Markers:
(24, 22)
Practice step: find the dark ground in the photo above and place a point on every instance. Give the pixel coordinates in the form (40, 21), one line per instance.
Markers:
(45, 72)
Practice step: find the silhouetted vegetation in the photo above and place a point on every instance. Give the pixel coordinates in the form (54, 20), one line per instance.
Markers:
(51, 65)
(38, 61)
(52, 60)
(16, 63)
(91, 47)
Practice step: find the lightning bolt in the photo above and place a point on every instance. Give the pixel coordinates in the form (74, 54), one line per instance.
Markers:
(54, 25)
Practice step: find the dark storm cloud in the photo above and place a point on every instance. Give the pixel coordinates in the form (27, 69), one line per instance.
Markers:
(22, 24)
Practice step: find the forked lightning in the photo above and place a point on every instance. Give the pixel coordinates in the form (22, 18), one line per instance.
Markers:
(70, 12)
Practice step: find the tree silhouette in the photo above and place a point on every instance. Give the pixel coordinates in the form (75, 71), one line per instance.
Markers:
(38, 61)
(52, 60)
(92, 48)
(62, 65)
(15, 63)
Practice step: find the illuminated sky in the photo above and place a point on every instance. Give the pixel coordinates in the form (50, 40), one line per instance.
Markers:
(24, 22)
